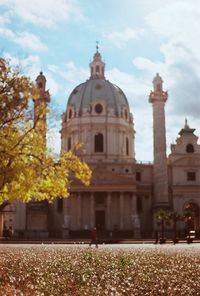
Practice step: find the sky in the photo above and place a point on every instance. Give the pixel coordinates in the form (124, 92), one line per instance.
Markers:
(137, 39)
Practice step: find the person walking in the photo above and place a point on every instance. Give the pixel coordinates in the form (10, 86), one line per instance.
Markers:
(94, 237)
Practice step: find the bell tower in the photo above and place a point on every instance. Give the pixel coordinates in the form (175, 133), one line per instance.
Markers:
(158, 97)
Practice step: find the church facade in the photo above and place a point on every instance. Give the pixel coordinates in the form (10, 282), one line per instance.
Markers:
(124, 194)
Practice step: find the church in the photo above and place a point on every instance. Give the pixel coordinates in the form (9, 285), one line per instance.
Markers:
(124, 194)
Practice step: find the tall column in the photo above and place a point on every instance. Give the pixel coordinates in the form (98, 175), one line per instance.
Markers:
(121, 206)
(66, 217)
(79, 211)
(92, 222)
(135, 217)
(108, 210)
(158, 97)
(20, 218)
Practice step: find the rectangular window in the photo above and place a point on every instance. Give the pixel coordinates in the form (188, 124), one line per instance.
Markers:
(191, 176)
(59, 205)
(139, 204)
(138, 176)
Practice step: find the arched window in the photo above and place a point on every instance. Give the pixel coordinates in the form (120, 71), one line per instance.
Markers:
(97, 69)
(190, 148)
(70, 113)
(158, 87)
(40, 85)
(127, 146)
(69, 144)
(126, 114)
(98, 143)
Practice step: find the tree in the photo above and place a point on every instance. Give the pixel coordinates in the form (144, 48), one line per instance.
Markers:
(174, 217)
(187, 217)
(162, 217)
(27, 168)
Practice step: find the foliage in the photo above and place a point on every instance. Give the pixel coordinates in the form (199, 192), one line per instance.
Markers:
(27, 169)
(50, 270)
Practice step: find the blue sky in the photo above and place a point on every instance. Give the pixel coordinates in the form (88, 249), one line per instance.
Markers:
(138, 38)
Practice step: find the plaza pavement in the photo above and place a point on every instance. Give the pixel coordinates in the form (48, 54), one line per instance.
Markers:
(144, 246)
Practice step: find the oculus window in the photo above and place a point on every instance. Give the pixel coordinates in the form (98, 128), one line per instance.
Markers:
(98, 108)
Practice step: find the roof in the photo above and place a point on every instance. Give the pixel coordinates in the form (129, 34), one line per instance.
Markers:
(97, 89)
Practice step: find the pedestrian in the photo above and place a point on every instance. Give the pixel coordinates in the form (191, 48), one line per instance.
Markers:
(156, 236)
(94, 237)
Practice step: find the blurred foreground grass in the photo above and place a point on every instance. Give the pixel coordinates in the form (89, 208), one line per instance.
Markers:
(49, 270)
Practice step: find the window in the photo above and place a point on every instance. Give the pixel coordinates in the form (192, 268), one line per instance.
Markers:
(98, 108)
(40, 85)
(126, 114)
(70, 113)
(97, 69)
(139, 204)
(158, 87)
(138, 176)
(98, 143)
(190, 148)
(59, 205)
(127, 146)
(69, 143)
(191, 176)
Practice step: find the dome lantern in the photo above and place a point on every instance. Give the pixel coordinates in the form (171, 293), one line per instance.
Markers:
(97, 67)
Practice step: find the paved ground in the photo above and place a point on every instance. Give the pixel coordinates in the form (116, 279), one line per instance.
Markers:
(168, 246)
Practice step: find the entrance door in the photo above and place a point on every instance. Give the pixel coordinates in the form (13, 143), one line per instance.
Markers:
(100, 220)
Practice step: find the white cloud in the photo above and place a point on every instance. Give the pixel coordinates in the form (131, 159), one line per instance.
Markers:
(73, 74)
(24, 39)
(176, 24)
(25, 64)
(147, 65)
(29, 40)
(133, 85)
(54, 140)
(44, 13)
(120, 38)
(4, 19)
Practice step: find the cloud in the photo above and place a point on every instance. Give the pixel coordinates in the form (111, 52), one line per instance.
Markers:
(4, 19)
(177, 26)
(121, 37)
(43, 13)
(54, 140)
(134, 86)
(29, 40)
(25, 64)
(72, 74)
(24, 39)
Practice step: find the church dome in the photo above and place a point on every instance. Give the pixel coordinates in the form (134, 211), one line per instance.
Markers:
(99, 117)
(84, 95)
(97, 91)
